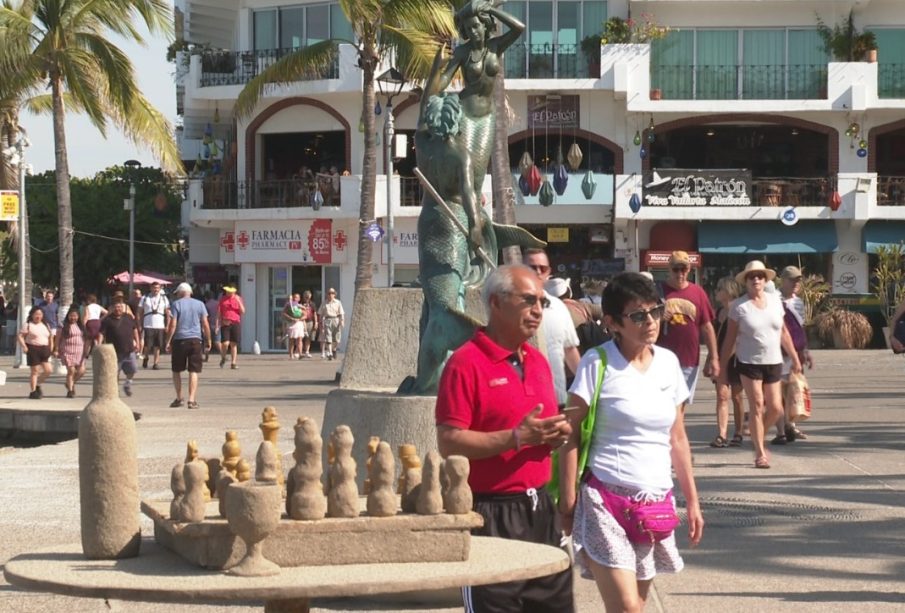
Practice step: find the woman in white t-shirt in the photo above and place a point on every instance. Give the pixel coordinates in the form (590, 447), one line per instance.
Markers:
(757, 335)
(638, 439)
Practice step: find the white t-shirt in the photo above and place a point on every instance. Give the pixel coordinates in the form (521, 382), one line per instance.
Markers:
(635, 414)
(153, 309)
(759, 330)
(92, 311)
(559, 333)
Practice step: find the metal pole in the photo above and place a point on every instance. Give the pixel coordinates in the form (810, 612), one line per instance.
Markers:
(388, 141)
(23, 245)
(131, 238)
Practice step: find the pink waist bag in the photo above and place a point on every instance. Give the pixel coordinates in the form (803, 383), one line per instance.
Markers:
(644, 521)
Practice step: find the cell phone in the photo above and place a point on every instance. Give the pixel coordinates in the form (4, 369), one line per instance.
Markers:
(568, 409)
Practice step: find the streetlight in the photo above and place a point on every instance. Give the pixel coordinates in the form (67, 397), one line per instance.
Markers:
(16, 156)
(129, 205)
(390, 84)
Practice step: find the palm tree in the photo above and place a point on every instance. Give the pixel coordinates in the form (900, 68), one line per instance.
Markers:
(66, 43)
(500, 168)
(410, 30)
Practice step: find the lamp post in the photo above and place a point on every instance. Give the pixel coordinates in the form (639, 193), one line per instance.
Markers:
(129, 205)
(390, 84)
(16, 155)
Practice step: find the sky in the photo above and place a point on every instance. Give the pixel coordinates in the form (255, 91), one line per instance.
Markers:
(87, 149)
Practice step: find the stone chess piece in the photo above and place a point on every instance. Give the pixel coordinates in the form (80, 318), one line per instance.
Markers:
(430, 497)
(405, 450)
(109, 495)
(382, 473)
(224, 479)
(192, 506)
(372, 449)
(232, 452)
(411, 486)
(267, 463)
(243, 470)
(191, 454)
(253, 511)
(457, 498)
(305, 497)
(177, 486)
(270, 428)
(213, 470)
(342, 501)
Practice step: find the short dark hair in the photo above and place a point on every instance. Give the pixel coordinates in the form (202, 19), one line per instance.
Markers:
(625, 288)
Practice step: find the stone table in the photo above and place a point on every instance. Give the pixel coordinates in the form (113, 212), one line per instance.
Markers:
(158, 575)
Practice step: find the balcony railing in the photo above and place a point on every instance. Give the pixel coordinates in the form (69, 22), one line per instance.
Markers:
(792, 191)
(240, 67)
(891, 191)
(891, 80)
(410, 191)
(547, 61)
(779, 82)
(220, 193)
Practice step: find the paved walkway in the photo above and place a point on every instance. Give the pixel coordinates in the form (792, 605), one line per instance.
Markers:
(820, 531)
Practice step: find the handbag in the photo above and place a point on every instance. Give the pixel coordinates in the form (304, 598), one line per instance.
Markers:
(644, 521)
(587, 432)
(798, 398)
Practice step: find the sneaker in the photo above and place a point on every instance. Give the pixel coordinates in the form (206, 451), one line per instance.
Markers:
(127, 387)
(34, 395)
(307, 354)
(155, 367)
(144, 362)
(222, 362)
(70, 394)
(176, 403)
(39, 392)
(323, 356)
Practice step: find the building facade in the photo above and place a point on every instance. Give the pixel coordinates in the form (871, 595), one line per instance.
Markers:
(735, 136)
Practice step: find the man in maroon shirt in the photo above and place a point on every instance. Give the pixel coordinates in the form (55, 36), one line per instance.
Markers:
(688, 316)
(496, 405)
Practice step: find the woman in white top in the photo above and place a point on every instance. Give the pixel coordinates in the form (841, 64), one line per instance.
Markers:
(91, 318)
(638, 439)
(757, 335)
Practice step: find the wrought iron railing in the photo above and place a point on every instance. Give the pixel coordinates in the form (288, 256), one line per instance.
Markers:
(891, 80)
(410, 191)
(890, 191)
(793, 191)
(240, 67)
(774, 82)
(220, 193)
(546, 61)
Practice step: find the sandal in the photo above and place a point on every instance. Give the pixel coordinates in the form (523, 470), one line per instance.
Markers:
(719, 442)
(800, 435)
(762, 462)
(779, 439)
(736, 441)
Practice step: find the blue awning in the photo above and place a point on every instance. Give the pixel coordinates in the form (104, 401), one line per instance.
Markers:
(881, 232)
(767, 237)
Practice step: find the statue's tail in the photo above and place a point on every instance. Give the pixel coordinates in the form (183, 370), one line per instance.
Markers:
(513, 236)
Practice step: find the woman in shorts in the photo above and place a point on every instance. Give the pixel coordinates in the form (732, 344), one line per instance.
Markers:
(757, 335)
(638, 441)
(310, 322)
(36, 341)
(71, 347)
(727, 290)
(91, 319)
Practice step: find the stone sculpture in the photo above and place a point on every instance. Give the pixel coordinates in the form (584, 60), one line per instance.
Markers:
(405, 451)
(457, 498)
(232, 453)
(267, 463)
(243, 470)
(253, 511)
(270, 428)
(213, 470)
(191, 507)
(191, 454)
(430, 498)
(108, 467)
(372, 449)
(305, 497)
(382, 472)
(342, 501)
(224, 479)
(411, 482)
(453, 140)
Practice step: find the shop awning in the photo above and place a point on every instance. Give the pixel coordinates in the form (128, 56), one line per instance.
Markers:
(877, 232)
(767, 237)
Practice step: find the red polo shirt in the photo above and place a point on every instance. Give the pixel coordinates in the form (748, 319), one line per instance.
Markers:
(480, 390)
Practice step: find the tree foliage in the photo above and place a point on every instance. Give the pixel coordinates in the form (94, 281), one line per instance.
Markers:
(101, 227)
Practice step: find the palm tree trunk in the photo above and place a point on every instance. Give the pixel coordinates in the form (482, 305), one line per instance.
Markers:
(363, 273)
(64, 201)
(500, 169)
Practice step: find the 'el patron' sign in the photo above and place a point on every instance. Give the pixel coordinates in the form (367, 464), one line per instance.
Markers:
(684, 187)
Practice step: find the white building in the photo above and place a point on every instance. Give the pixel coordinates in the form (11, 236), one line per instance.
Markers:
(739, 87)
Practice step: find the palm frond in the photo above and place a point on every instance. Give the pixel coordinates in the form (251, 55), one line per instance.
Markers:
(43, 104)
(147, 127)
(84, 82)
(114, 65)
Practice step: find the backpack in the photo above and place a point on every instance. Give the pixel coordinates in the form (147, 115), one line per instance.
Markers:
(796, 331)
(590, 334)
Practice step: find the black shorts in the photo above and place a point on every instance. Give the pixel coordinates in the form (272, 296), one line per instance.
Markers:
(732, 372)
(514, 516)
(37, 354)
(229, 333)
(187, 355)
(768, 373)
(155, 338)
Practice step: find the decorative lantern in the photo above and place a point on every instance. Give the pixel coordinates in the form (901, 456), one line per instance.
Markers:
(317, 201)
(637, 139)
(835, 201)
(642, 152)
(862, 152)
(534, 180)
(575, 156)
(545, 195)
(560, 179)
(523, 186)
(377, 109)
(588, 185)
(634, 203)
(525, 164)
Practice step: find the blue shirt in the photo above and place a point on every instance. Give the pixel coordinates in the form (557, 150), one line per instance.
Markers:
(51, 310)
(189, 314)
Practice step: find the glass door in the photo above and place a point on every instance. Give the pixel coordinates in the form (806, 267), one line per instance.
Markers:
(278, 294)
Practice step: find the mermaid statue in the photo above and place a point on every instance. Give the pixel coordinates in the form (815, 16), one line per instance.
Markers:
(458, 241)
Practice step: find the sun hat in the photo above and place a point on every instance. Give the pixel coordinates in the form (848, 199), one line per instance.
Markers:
(230, 289)
(558, 287)
(184, 288)
(755, 266)
(679, 257)
(791, 272)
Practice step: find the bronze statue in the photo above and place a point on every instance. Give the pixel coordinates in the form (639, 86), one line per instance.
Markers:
(458, 243)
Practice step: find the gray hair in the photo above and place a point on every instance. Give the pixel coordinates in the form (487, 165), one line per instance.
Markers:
(730, 286)
(500, 282)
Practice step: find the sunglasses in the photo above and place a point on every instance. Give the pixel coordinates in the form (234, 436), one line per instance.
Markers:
(640, 316)
(756, 275)
(680, 268)
(531, 300)
(539, 268)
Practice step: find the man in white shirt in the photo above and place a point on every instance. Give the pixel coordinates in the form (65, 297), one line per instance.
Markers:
(153, 316)
(557, 338)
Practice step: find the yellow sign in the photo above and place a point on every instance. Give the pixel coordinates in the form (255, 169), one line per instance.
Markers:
(9, 205)
(557, 235)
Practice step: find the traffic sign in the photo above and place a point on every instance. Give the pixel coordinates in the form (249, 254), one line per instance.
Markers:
(9, 205)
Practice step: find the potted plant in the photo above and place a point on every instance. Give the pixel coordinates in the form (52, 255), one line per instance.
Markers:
(617, 30)
(590, 46)
(814, 291)
(845, 43)
(888, 281)
(845, 329)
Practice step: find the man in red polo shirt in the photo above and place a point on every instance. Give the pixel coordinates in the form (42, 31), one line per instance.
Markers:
(496, 405)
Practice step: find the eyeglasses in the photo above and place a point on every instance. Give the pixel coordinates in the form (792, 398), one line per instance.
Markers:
(680, 268)
(640, 316)
(331, 293)
(531, 300)
(539, 268)
(756, 275)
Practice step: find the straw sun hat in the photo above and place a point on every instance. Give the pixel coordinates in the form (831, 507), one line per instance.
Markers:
(755, 266)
